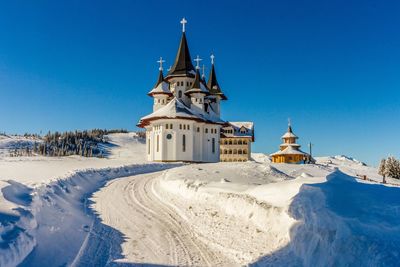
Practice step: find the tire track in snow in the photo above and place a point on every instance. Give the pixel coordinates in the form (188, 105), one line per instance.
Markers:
(155, 233)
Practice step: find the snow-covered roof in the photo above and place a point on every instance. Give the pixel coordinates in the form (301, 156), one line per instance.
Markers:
(161, 88)
(237, 125)
(176, 109)
(289, 134)
(294, 145)
(290, 150)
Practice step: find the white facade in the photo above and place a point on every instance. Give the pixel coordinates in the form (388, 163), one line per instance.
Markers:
(182, 140)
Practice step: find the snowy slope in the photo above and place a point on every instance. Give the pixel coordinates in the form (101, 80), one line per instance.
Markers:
(121, 210)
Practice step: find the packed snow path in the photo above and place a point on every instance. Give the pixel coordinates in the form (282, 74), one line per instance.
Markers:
(155, 233)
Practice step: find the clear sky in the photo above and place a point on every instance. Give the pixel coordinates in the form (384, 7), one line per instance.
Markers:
(333, 67)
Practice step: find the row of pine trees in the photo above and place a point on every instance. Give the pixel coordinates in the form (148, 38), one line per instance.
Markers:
(57, 144)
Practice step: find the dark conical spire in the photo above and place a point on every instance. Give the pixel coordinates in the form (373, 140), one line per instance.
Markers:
(197, 81)
(183, 62)
(160, 78)
(212, 84)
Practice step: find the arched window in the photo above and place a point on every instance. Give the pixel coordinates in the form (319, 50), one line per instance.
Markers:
(244, 142)
(180, 94)
(230, 151)
(235, 142)
(198, 129)
(244, 151)
(188, 127)
(239, 151)
(225, 142)
(230, 142)
(206, 130)
(225, 151)
(239, 142)
(166, 126)
(180, 126)
(148, 146)
(183, 143)
(170, 126)
(158, 142)
(234, 151)
(184, 127)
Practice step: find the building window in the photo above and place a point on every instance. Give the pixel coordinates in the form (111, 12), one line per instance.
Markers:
(184, 127)
(170, 126)
(183, 143)
(244, 151)
(198, 129)
(148, 146)
(169, 136)
(225, 151)
(239, 142)
(230, 151)
(235, 142)
(180, 94)
(188, 127)
(166, 126)
(230, 142)
(234, 151)
(213, 145)
(239, 151)
(180, 126)
(158, 143)
(187, 83)
(206, 130)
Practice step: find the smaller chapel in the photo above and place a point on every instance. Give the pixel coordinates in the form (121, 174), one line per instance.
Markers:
(289, 151)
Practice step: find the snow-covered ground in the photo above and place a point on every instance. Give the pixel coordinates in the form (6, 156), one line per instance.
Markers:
(121, 210)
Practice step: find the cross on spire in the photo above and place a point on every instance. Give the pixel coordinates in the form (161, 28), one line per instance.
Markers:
(161, 61)
(183, 22)
(212, 59)
(197, 59)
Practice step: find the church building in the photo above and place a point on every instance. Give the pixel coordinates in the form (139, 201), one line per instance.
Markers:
(185, 124)
(289, 151)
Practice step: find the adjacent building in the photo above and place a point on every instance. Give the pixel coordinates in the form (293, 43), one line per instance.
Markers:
(236, 139)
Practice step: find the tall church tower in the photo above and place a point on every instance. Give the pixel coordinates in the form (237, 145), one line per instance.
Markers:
(182, 73)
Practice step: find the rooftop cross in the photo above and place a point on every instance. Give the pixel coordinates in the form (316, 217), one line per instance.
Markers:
(183, 22)
(212, 59)
(161, 61)
(197, 59)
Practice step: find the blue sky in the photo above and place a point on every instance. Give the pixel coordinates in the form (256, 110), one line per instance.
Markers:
(331, 66)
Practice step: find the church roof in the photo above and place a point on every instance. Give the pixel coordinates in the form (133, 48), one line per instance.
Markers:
(183, 62)
(237, 126)
(290, 150)
(213, 85)
(176, 109)
(161, 86)
(289, 133)
(198, 86)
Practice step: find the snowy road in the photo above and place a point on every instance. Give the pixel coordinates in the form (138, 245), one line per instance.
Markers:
(154, 232)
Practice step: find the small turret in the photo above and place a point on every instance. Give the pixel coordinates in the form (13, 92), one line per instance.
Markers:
(161, 90)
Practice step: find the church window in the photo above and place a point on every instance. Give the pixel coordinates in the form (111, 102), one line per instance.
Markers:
(213, 145)
(187, 83)
(180, 94)
(170, 126)
(183, 143)
(200, 100)
(188, 127)
(184, 127)
(158, 143)
(198, 129)
(148, 146)
(166, 126)
(180, 126)
(206, 130)
(169, 136)
(158, 100)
